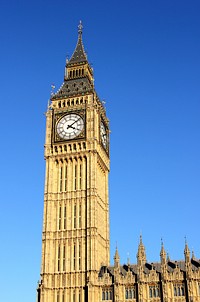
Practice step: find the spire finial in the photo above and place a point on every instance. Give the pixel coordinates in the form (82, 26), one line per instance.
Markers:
(80, 28)
(128, 259)
(168, 258)
(140, 238)
(185, 240)
(193, 254)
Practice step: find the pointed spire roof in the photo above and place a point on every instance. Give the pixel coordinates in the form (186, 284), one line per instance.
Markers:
(162, 252)
(116, 258)
(79, 55)
(186, 251)
(78, 78)
(141, 255)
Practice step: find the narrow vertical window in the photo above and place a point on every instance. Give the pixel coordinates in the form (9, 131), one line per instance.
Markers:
(64, 252)
(65, 218)
(79, 256)
(179, 290)
(74, 256)
(59, 218)
(65, 178)
(80, 177)
(75, 177)
(79, 296)
(74, 296)
(59, 258)
(79, 216)
(58, 297)
(61, 175)
(63, 297)
(75, 216)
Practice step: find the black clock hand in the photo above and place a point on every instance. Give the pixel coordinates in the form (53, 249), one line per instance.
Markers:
(70, 126)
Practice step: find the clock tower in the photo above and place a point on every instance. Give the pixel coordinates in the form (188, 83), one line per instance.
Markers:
(75, 238)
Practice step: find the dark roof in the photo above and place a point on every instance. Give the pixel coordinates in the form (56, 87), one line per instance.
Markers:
(171, 265)
(74, 87)
(79, 55)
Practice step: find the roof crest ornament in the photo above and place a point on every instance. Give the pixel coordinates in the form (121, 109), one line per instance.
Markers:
(80, 28)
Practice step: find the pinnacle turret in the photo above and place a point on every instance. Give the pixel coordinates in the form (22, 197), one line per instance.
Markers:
(116, 259)
(141, 255)
(187, 252)
(162, 253)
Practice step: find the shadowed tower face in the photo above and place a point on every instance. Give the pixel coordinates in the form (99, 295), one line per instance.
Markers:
(75, 239)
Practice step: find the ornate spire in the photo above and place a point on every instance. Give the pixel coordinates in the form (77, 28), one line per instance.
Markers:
(187, 252)
(193, 256)
(141, 255)
(162, 253)
(79, 55)
(116, 259)
(78, 77)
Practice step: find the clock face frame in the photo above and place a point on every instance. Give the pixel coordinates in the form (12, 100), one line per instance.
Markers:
(103, 133)
(69, 126)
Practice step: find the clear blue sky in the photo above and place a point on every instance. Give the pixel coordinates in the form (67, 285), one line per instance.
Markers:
(146, 61)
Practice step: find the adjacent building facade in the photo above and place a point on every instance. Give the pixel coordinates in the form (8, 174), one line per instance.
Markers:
(75, 239)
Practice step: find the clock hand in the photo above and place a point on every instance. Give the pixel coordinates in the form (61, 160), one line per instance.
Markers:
(70, 126)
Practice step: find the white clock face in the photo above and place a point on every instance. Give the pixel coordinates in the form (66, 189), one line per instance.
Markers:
(103, 135)
(70, 126)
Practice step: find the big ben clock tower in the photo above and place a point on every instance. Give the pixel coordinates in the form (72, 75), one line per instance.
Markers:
(75, 239)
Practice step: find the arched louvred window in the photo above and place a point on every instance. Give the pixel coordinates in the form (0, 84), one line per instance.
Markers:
(154, 291)
(107, 294)
(179, 290)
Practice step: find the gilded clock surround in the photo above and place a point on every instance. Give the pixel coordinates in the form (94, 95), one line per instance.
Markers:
(60, 116)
